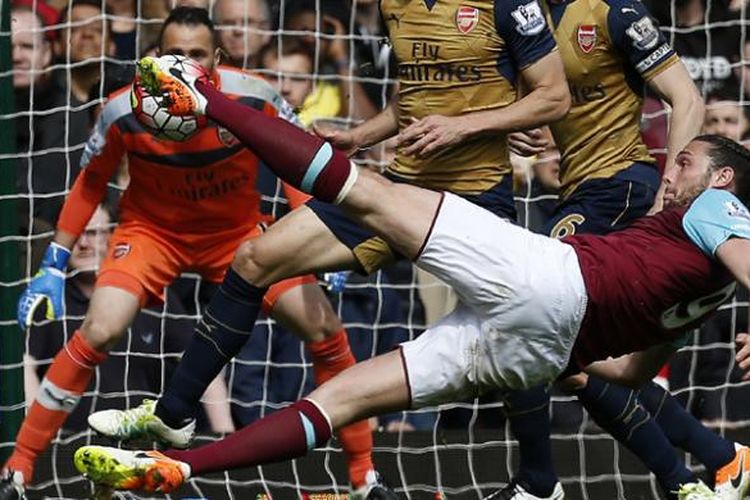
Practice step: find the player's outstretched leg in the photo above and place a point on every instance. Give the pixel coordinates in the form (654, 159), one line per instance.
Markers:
(311, 165)
(376, 385)
(729, 461)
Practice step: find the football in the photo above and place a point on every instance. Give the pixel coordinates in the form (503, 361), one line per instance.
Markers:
(156, 119)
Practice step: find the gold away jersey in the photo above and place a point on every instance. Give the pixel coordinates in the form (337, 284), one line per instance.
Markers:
(610, 48)
(457, 57)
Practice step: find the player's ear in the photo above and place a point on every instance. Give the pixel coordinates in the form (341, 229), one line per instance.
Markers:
(723, 177)
(217, 56)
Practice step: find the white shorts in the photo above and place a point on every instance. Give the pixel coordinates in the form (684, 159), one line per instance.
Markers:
(521, 302)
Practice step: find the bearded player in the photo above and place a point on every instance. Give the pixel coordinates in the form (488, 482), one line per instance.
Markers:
(189, 206)
(530, 305)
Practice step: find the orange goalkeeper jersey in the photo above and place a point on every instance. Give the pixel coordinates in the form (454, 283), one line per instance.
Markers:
(204, 184)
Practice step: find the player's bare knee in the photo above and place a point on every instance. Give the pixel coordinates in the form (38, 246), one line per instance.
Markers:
(249, 263)
(99, 333)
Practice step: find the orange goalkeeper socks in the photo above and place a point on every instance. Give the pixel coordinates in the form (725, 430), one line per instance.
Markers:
(330, 357)
(59, 393)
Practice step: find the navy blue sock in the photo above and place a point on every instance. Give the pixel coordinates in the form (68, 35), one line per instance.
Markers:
(617, 410)
(684, 430)
(528, 413)
(222, 331)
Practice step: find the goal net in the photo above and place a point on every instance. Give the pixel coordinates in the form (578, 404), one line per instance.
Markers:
(462, 450)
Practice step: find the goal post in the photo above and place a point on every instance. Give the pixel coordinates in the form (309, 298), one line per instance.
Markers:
(11, 338)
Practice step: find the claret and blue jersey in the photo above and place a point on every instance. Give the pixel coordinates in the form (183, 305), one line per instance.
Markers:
(658, 278)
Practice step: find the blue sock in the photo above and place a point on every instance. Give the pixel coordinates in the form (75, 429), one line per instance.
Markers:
(528, 413)
(684, 430)
(617, 410)
(222, 331)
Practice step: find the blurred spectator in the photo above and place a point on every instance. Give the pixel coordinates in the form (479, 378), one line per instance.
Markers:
(292, 60)
(707, 49)
(725, 115)
(85, 42)
(325, 30)
(139, 364)
(243, 27)
(49, 133)
(124, 30)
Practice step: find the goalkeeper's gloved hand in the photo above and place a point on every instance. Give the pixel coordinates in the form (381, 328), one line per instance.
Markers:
(47, 285)
(336, 282)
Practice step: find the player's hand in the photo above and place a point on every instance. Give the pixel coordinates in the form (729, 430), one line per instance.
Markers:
(528, 142)
(743, 354)
(431, 134)
(47, 285)
(336, 282)
(339, 138)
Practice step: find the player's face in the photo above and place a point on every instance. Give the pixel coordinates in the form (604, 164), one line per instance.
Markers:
(31, 51)
(91, 247)
(240, 25)
(727, 119)
(193, 41)
(689, 176)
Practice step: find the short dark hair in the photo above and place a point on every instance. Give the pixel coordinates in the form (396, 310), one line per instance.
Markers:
(725, 152)
(191, 16)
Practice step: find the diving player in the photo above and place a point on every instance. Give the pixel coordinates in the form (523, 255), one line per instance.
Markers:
(530, 305)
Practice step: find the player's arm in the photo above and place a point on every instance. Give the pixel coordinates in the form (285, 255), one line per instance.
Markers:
(735, 255)
(100, 159)
(635, 369)
(635, 34)
(377, 129)
(675, 86)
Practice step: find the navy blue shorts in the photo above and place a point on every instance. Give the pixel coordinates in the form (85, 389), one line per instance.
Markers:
(372, 252)
(599, 206)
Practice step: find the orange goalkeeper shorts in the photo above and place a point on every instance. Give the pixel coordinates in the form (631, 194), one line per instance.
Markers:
(144, 259)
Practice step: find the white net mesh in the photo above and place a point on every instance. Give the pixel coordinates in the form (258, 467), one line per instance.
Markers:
(460, 450)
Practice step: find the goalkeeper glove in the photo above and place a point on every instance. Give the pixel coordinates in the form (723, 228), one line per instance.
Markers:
(47, 285)
(336, 282)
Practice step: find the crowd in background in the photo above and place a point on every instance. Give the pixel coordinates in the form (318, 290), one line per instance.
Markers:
(331, 61)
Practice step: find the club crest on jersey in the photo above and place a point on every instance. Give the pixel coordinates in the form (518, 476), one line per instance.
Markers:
(587, 37)
(529, 19)
(121, 250)
(226, 137)
(467, 19)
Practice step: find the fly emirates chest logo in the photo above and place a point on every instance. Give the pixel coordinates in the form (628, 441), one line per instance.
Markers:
(429, 66)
